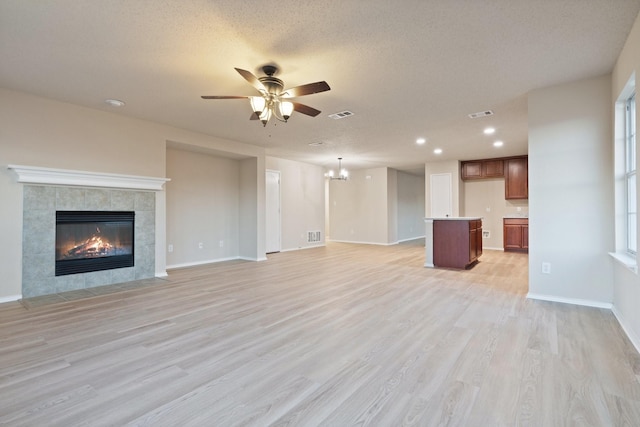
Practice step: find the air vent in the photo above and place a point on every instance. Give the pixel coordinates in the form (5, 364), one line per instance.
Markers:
(481, 114)
(313, 236)
(341, 115)
(316, 144)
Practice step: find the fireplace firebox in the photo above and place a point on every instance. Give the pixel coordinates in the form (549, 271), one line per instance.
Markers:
(93, 241)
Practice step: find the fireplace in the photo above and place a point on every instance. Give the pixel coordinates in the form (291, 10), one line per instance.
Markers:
(93, 241)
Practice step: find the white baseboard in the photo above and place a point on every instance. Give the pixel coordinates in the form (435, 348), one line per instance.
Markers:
(319, 245)
(193, 264)
(574, 301)
(244, 258)
(10, 298)
(160, 274)
(410, 239)
(635, 340)
(363, 243)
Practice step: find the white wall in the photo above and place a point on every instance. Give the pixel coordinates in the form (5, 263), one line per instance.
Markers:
(571, 191)
(410, 206)
(626, 284)
(40, 132)
(202, 207)
(302, 201)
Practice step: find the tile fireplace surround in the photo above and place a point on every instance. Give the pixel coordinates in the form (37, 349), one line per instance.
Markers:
(40, 204)
(47, 190)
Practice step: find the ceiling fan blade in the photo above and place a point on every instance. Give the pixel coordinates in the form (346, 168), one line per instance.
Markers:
(223, 97)
(253, 80)
(305, 109)
(307, 89)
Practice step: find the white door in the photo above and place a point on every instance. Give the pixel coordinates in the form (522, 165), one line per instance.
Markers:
(441, 206)
(272, 211)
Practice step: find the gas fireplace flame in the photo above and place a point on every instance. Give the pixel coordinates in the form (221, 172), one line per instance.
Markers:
(92, 247)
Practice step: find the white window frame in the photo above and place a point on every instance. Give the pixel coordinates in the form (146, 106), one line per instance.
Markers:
(625, 177)
(630, 176)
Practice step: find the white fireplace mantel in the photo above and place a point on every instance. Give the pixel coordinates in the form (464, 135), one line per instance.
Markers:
(49, 176)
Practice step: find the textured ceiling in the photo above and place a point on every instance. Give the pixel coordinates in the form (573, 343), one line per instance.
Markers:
(406, 69)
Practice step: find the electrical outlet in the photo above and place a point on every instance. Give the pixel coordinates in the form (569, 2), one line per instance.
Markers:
(170, 248)
(200, 245)
(519, 209)
(221, 243)
(546, 268)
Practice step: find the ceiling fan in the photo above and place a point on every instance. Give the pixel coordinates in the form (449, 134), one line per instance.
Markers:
(274, 100)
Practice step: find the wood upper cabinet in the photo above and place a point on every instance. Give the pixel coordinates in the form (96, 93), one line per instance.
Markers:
(516, 234)
(516, 178)
(480, 169)
(493, 168)
(471, 170)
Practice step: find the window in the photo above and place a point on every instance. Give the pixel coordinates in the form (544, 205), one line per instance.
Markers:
(630, 174)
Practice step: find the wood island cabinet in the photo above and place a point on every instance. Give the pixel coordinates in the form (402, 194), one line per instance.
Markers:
(457, 243)
(516, 234)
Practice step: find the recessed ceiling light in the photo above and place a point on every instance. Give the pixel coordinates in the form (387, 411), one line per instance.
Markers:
(498, 144)
(421, 141)
(114, 102)
(489, 131)
(438, 151)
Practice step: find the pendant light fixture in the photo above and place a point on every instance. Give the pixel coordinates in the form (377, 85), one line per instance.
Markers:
(343, 174)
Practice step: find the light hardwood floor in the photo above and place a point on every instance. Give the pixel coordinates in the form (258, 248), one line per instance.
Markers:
(341, 335)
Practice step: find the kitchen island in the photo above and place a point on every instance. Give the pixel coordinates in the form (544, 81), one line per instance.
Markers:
(453, 242)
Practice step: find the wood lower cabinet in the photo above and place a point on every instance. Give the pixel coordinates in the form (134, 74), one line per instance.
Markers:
(457, 243)
(516, 234)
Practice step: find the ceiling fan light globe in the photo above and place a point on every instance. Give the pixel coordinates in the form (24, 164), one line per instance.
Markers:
(286, 109)
(265, 116)
(258, 103)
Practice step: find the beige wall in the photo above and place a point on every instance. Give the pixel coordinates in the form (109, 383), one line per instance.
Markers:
(626, 284)
(378, 206)
(302, 201)
(40, 132)
(571, 192)
(485, 198)
(410, 217)
(358, 207)
(202, 207)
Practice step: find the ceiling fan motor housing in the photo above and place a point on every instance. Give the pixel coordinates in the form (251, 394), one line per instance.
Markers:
(273, 85)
